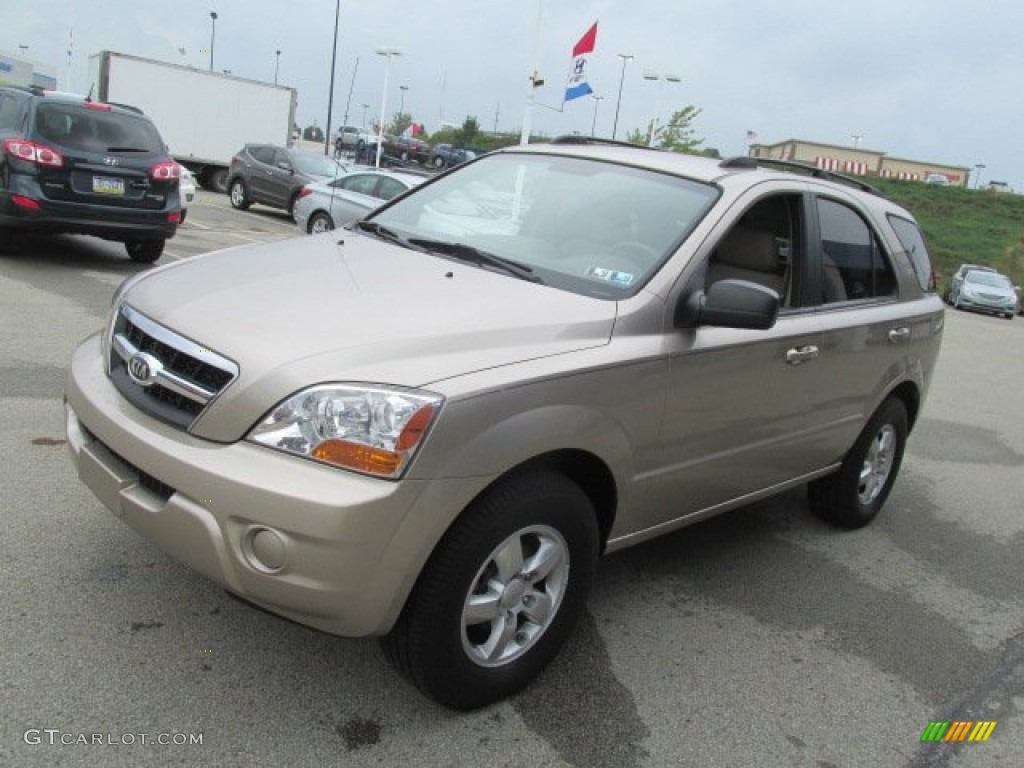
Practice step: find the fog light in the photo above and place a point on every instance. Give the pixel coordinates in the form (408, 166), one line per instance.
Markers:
(265, 549)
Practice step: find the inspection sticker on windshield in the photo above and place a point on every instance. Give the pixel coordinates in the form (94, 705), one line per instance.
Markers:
(610, 276)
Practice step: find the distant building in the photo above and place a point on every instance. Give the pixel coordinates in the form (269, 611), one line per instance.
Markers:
(16, 70)
(859, 162)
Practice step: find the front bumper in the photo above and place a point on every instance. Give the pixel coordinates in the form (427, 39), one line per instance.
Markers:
(327, 548)
(982, 304)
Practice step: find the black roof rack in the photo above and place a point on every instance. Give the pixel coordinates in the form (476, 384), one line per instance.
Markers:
(582, 140)
(744, 162)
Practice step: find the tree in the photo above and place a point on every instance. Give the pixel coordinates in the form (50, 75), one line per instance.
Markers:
(467, 134)
(400, 122)
(677, 134)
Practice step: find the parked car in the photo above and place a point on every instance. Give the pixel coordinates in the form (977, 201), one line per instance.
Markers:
(430, 427)
(186, 189)
(272, 175)
(407, 149)
(71, 165)
(351, 137)
(939, 179)
(322, 207)
(985, 291)
(447, 155)
(958, 277)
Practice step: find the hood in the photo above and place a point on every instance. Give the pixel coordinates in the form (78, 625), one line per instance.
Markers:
(344, 306)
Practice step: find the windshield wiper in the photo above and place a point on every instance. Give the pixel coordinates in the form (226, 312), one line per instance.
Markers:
(384, 233)
(127, 149)
(476, 256)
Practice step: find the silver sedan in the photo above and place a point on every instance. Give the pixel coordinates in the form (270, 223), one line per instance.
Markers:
(324, 206)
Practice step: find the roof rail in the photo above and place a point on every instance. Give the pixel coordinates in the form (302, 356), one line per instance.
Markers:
(745, 162)
(577, 139)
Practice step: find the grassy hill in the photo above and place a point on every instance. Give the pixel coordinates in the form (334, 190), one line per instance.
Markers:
(965, 225)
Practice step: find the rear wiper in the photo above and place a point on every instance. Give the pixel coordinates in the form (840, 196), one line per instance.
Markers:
(127, 149)
(476, 256)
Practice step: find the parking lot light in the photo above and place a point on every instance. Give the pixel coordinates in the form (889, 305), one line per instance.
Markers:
(388, 53)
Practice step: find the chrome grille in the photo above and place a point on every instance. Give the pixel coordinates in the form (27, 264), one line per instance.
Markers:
(163, 373)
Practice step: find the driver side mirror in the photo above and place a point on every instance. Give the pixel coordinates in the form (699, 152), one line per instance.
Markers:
(729, 304)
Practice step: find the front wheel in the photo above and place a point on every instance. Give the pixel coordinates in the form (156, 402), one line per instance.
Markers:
(320, 222)
(853, 496)
(501, 593)
(144, 251)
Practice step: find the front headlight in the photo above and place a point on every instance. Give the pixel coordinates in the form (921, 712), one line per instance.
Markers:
(374, 430)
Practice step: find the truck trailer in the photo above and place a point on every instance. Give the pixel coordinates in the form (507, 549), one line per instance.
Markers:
(205, 117)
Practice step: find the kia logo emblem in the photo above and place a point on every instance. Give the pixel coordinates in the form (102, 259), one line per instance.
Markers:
(144, 369)
(110, 160)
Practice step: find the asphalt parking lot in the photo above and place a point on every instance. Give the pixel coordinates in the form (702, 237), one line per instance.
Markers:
(759, 638)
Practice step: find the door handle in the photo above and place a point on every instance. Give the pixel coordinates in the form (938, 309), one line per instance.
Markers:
(897, 335)
(798, 355)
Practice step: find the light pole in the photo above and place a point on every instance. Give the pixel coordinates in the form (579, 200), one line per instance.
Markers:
(387, 53)
(977, 178)
(213, 35)
(661, 80)
(365, 107)
(22, 49)
(626, 58)
(401, 108)
(277, 64)
(593, 122)
(856, 139)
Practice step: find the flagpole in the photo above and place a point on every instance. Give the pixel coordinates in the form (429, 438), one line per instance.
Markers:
(535, 81)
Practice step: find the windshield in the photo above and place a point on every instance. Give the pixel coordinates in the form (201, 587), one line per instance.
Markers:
(318, 165)
(993, 279)
(591, 227)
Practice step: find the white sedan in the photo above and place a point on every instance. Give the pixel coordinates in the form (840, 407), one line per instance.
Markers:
(324, 206)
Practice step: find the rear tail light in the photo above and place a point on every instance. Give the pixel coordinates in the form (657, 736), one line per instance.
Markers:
(303, 192)
(174, 217)
(97, 105)
(165, 171)
(33, 153)
(25, 202)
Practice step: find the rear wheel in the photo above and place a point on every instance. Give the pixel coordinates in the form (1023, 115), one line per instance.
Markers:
(320, 222)
(239, 195)
(144, 251)
(216, 179)
(501, 593)
(853, 496)
(439, 162)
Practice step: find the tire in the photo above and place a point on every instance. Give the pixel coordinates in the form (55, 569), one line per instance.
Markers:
(320, 222)
(439, 162)
(239, 195)
(217, 180)
(543, 530)
(144, 251)
(852, 497)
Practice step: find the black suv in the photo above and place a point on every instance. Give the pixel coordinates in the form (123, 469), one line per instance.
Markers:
(68, 164)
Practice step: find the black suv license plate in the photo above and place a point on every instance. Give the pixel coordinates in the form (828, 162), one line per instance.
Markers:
(104, 185)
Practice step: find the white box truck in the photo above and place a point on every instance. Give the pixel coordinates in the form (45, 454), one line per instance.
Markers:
(205, 117)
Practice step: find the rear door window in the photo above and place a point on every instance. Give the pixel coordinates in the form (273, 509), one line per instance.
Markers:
(853, 265)
(263, 154)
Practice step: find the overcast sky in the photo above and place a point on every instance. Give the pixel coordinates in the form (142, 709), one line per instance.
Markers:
(931, 80)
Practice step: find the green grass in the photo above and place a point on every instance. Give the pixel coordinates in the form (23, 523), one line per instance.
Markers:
(965, 225)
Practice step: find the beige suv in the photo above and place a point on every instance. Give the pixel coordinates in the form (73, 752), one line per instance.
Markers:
(429, 426)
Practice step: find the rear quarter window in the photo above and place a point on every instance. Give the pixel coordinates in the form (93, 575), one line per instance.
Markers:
(912, 240)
